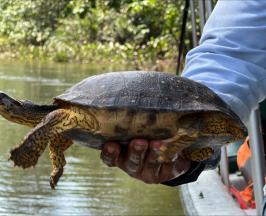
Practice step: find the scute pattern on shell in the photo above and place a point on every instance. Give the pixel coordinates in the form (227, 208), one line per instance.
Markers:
(144, 90)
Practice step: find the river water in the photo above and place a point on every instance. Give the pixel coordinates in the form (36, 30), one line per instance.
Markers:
(87, 187)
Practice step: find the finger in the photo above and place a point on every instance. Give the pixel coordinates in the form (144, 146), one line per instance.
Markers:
(110, 154)
(174, 169)
(136, 153)
(151, 168)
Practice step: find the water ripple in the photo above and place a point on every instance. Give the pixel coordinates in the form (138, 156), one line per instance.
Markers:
(87, 186)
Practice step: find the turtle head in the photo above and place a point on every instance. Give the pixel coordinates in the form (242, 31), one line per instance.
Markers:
(7, 102)
(9, 107)
(23, 111)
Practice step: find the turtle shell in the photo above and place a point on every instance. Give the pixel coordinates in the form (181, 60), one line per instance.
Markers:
(185, 114)
(141, 90)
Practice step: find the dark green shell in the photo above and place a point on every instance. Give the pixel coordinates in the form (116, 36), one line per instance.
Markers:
(144, 91)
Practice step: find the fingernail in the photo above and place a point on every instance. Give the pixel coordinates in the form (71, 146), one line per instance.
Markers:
(156, 145)
(139, 147)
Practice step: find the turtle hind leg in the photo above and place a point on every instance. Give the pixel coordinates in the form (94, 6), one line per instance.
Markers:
(198, 155)
(173, 146)
(56, 154)
(181, 145)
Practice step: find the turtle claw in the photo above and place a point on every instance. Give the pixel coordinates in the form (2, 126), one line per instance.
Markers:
(55, 176)
(22, 158)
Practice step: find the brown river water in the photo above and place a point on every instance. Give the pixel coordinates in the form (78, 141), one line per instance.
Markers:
(88, 187)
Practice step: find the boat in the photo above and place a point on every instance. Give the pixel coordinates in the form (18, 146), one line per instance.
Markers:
(210, 196)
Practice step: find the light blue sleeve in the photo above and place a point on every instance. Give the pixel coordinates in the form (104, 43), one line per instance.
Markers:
(231, 57)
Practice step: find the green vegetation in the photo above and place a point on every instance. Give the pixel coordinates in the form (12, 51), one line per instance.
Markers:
(143, 32)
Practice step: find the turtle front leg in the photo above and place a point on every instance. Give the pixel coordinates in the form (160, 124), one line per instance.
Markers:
(28, 152)
(176, 144)
(56, 154)
(49, 132)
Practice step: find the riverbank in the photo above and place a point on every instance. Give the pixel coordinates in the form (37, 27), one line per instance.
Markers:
(94, 53)
(144, 34)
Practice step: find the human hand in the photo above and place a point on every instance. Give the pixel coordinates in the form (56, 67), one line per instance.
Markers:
(139, 160)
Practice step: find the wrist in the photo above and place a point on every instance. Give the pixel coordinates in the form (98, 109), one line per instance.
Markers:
(190, 175)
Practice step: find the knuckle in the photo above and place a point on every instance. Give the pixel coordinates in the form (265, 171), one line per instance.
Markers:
(151, 166)
(134, 158)
(134, 163)
(132, 168)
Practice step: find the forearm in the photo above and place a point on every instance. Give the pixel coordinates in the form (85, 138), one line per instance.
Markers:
(231, 57)
(230, 60)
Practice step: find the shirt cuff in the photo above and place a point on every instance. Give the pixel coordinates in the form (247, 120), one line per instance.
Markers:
(190, 176)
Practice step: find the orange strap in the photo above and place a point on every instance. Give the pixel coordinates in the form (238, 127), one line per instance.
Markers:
(243, 154)
(247, 194)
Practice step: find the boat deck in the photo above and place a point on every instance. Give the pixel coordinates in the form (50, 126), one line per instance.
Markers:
(209, 196)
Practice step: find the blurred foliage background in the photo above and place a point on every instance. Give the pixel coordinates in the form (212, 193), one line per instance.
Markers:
(145, 33)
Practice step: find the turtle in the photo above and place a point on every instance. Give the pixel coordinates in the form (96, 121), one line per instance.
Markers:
(187, 116)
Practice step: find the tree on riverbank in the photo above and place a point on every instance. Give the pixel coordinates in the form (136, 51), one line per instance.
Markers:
(143, 32)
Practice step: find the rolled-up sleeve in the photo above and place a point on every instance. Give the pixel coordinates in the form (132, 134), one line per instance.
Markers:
(230, 60)
(231, 57)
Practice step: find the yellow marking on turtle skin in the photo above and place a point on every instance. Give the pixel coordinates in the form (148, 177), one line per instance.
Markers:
(174, 145)
(57, 147)
(5, 113)
(219, 125)
(213, 125)
(49, 132)
(181, 142)
(194, 155)
(24, 117)
(56, 154)
(198, 154)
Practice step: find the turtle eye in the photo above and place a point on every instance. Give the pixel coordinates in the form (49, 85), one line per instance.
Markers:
(3, 96)
(12, 104)
(5, 100)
